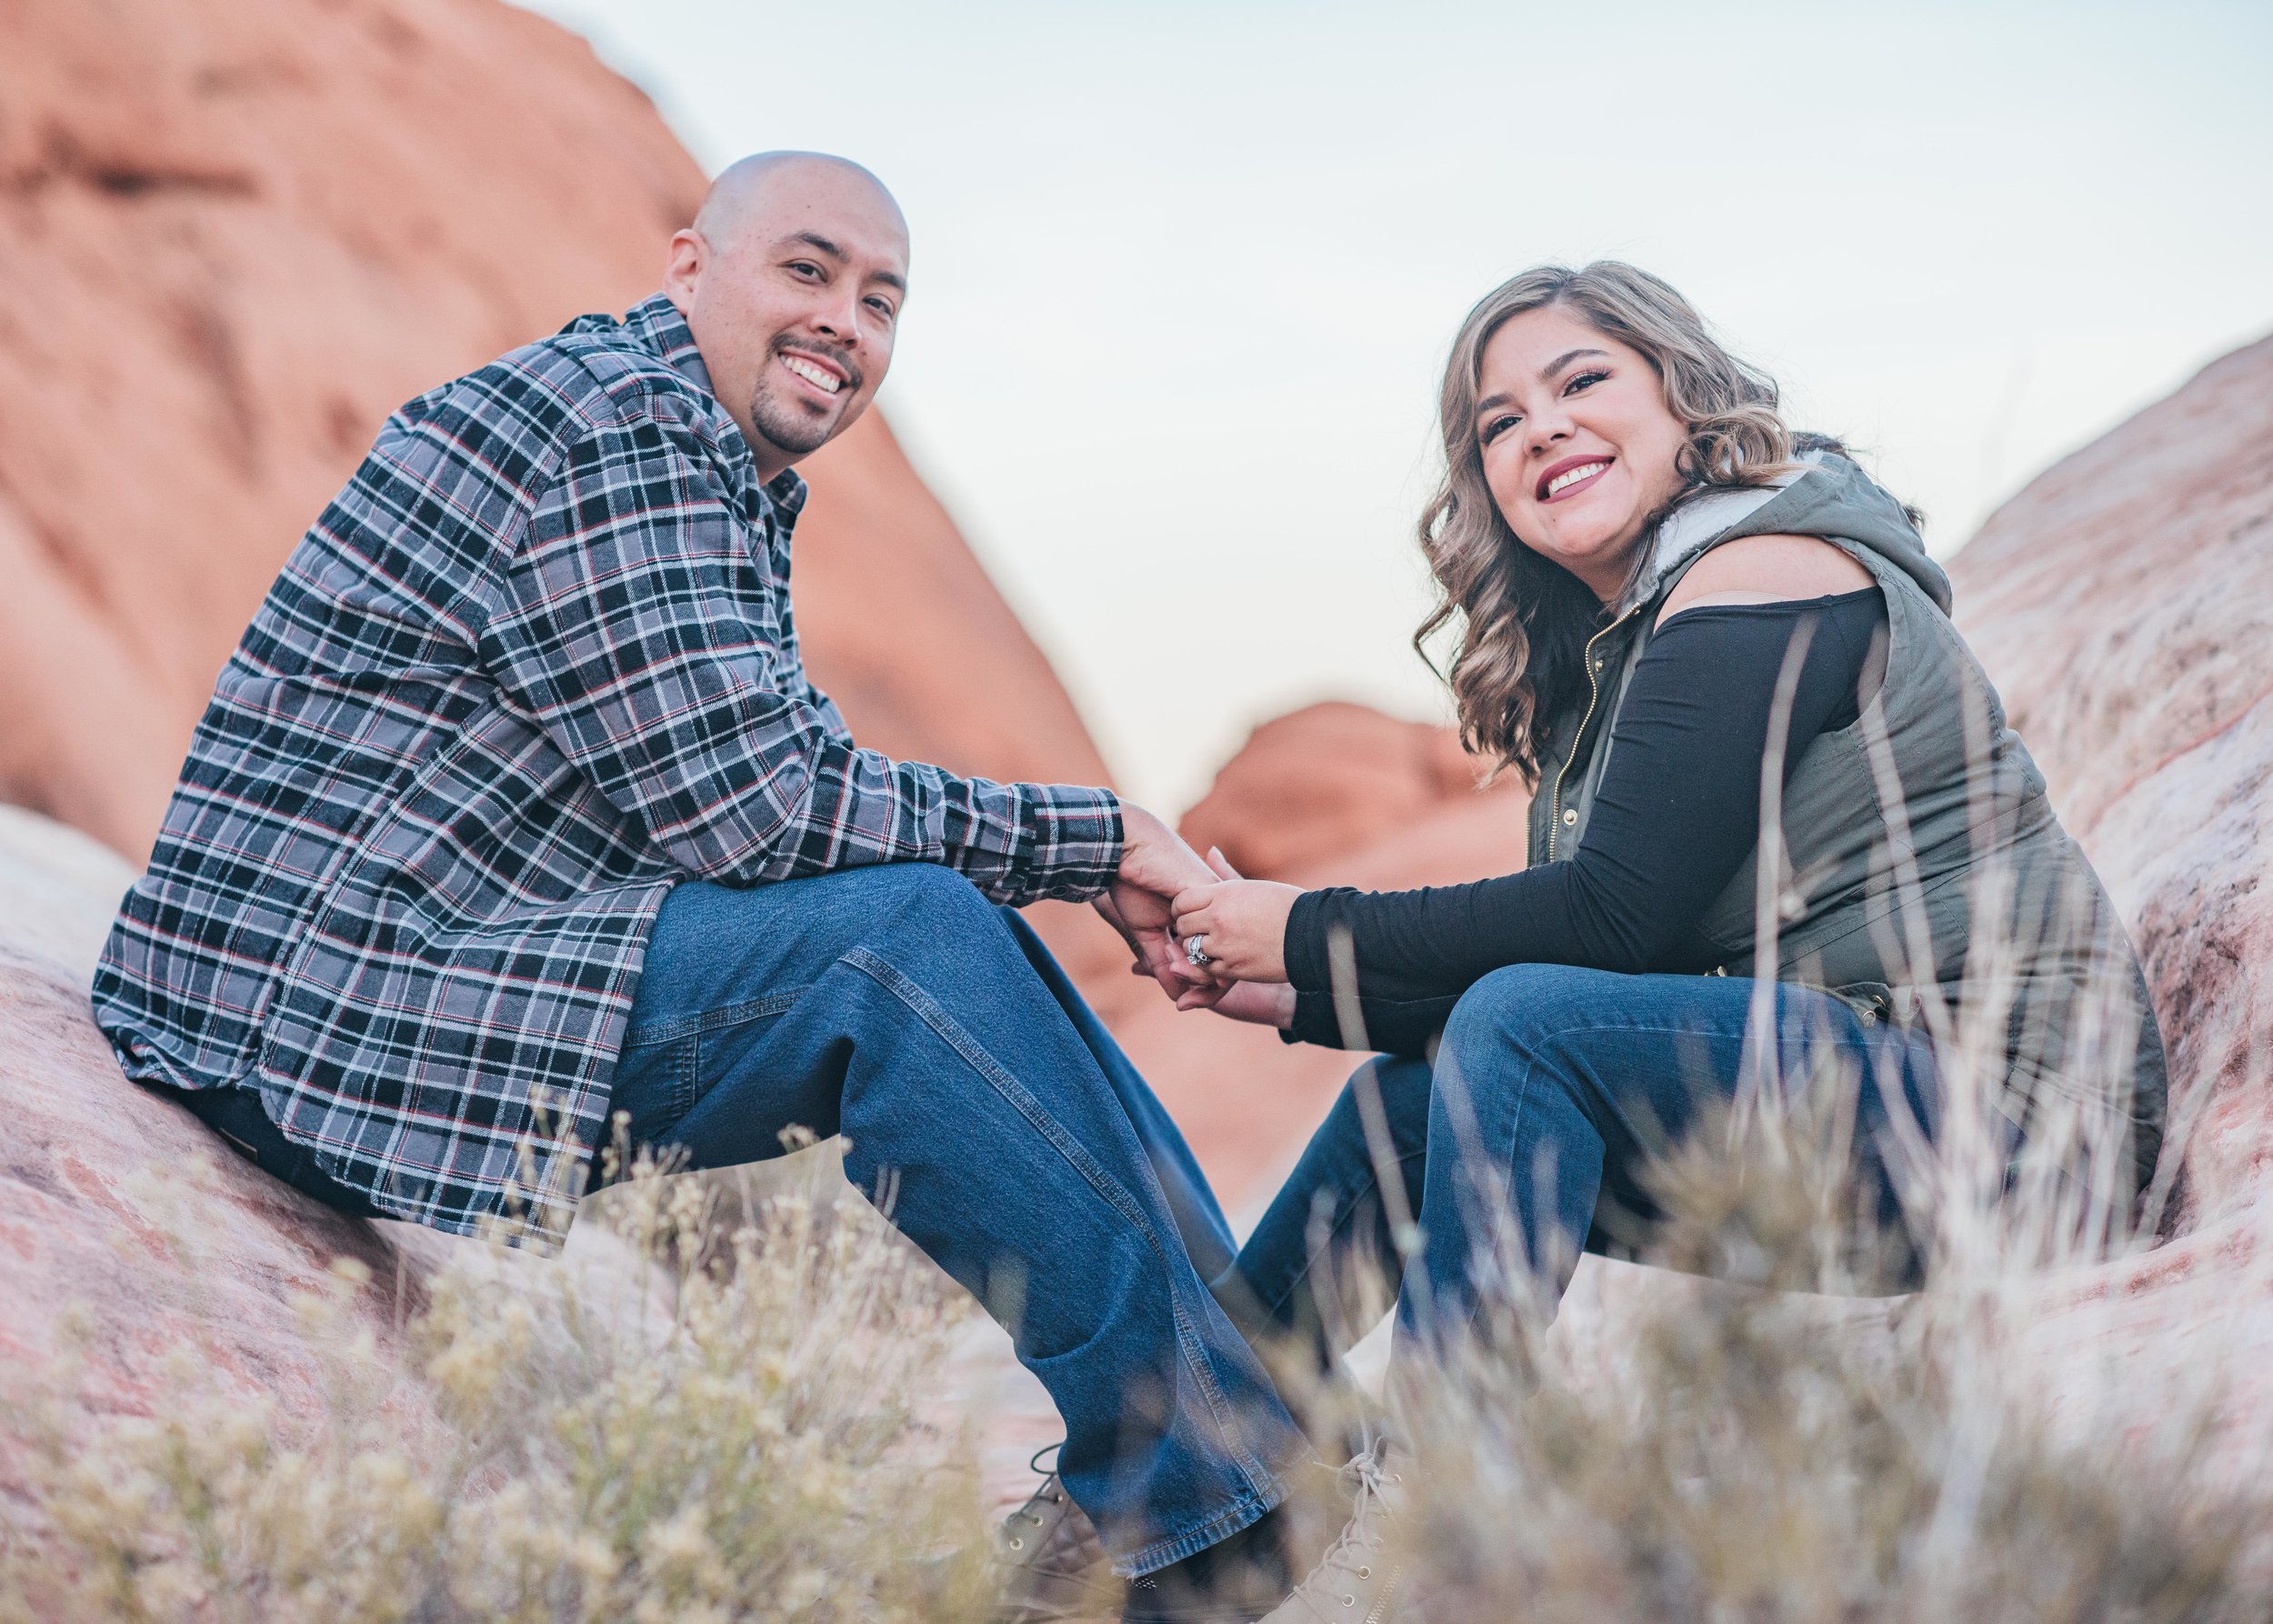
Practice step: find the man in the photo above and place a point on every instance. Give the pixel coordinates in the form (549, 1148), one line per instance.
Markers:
(515, 810)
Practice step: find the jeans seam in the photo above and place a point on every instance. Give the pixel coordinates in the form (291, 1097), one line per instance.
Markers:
(1015, 1093)
(690, 1075)
(749, 1010)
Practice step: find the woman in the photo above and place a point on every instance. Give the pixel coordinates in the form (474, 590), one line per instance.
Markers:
(1666, 601)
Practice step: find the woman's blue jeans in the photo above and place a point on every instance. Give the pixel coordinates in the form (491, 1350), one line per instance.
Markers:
(1552, 1090)
(1017, 1147)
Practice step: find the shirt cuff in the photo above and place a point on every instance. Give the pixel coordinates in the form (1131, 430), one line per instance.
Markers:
(1392, 1025)
(1071, 838)
(1303, 948)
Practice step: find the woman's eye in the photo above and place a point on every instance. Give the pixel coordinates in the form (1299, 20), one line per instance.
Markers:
(1498, 426)
(1585, 380)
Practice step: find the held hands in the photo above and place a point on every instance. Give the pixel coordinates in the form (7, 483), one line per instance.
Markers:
(1156, 864)
(1264, 1001)
(1242, 924)
(1159, 874)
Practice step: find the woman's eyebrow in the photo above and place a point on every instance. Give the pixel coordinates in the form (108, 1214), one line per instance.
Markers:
(1566, 358)
(1491, 402)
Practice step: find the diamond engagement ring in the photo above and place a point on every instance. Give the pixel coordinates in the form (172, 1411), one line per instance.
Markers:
(1194, 952)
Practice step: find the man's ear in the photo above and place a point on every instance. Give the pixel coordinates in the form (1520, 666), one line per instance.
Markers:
(689, 255)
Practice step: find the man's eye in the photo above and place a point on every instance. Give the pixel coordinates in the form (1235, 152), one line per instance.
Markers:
(1585, 380)
(805, 268)
(883, 307)
(1498, 426)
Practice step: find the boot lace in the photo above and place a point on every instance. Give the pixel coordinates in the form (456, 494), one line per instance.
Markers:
(1352, 1556)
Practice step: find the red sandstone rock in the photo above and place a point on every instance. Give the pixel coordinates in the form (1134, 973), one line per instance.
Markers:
(1324, 781)
(232, 238)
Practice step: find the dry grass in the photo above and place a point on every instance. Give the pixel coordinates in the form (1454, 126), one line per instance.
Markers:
(1761, 1452)
(701, 1425)
(729, 1423)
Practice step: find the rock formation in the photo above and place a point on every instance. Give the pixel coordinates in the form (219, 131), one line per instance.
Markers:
(2121, 602)
(123, 1209)
(232, 239)
(1328, 780)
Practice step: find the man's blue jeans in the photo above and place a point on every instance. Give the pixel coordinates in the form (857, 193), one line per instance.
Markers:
(1024, 1154)
(1553, 1089)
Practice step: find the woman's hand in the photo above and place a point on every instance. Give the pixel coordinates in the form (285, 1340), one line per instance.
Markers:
(1259, 1003)
(1245, 922)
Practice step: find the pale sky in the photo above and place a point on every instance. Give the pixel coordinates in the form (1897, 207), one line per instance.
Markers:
(1183, 273)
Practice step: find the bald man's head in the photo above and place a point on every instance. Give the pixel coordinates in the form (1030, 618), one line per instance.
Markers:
(741, 192)
(791, 279)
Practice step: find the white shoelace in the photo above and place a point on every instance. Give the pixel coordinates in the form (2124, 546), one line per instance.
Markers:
(1353, 1552)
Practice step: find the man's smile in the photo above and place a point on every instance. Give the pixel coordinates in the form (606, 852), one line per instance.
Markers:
(825, 376)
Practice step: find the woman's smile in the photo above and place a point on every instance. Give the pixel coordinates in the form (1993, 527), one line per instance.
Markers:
(1571, 476)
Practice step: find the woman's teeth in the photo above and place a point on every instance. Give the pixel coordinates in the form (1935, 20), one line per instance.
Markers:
(1569, 477)
(812, 374)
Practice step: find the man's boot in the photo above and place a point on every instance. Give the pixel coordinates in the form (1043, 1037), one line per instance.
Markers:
(1054, 1566)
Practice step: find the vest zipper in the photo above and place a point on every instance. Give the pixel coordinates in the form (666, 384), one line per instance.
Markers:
(1594, 696)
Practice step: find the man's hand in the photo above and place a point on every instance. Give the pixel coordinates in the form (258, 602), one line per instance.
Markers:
(1244, 924)
(1156, 864)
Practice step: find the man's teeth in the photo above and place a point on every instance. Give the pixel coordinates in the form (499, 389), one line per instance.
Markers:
(812, 374)
(1573, 475)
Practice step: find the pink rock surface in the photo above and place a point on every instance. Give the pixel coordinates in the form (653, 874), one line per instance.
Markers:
(123, 1207)
(2121, 602)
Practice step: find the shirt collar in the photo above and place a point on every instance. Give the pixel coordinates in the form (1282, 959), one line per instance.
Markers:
(656, 324)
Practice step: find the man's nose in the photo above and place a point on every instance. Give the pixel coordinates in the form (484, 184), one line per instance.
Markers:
(839, 319)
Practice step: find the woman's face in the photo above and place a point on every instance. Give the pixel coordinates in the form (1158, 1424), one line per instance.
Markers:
(1578, 448)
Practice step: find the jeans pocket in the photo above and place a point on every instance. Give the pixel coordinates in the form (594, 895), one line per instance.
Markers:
(656, 1085)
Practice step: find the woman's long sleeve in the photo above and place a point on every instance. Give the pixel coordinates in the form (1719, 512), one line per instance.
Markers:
(1674, 816)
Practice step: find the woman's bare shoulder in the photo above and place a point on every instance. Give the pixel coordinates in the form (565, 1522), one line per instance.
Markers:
(1766, 569)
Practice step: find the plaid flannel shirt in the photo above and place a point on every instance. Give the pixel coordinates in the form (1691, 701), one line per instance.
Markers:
(534, 665)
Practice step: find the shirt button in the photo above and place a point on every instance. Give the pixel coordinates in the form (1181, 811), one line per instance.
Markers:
(1570, 816)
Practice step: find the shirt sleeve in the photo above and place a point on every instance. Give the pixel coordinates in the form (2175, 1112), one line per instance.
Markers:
(1674, 816)
(642, 629)
(1404, 1027)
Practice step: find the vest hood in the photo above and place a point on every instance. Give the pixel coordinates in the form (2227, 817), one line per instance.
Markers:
(1830, 496)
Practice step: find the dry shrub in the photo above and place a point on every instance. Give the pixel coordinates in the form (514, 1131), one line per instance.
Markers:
(1770, 1444)
(1763, 1453)
(695, 1424)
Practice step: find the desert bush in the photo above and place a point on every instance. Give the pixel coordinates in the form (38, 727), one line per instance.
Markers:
(698, 1423)
(1814, 1412)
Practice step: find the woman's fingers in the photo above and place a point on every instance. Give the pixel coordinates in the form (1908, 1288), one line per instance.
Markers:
(1194, 897)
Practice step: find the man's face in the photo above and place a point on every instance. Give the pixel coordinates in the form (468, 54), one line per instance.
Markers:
(793, 294)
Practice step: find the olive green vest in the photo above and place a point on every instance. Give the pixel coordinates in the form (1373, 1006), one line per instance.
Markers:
(1920, 854)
